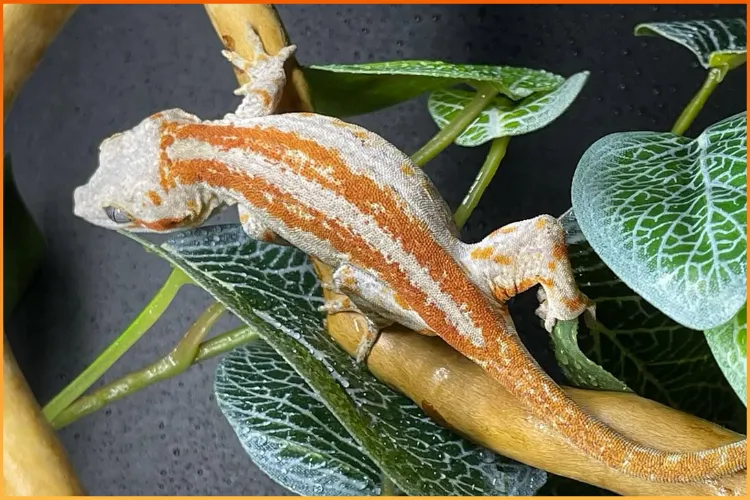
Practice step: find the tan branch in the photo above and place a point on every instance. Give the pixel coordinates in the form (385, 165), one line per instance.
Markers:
(27, 32)
(34, 461)
(457, 393)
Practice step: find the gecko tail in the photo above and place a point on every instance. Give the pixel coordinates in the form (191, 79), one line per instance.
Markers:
(603, 443)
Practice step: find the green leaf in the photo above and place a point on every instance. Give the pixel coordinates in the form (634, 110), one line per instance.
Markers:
(23, 243)
(346, 90)
(728, 343)
(286, 429)
(577, 368)
(503, 118)
(715, 42)
(653, 355)
(668, 215)
(274, 289)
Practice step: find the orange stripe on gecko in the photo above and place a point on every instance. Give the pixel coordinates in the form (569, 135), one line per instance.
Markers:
(509, 364)
(282, 206)
(325, 167)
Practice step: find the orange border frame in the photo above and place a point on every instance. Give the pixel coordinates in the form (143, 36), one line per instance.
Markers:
(434, 2)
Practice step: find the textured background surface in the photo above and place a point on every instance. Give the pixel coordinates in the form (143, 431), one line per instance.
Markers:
(112, 66)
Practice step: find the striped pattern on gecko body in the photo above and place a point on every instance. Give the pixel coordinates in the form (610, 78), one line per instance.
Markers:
(348, 197)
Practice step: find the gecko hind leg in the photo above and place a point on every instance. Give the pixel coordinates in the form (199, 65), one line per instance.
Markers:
(262, 93)
(378, 303)
(523, 254)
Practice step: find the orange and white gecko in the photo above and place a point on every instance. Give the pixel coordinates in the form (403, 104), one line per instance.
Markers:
(346, 196)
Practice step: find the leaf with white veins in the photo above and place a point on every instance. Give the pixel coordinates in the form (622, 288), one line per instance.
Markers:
(502, 117)
(275, 289)
(668, 215)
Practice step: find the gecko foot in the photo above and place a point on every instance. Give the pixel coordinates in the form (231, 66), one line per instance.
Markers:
(367, 342)
(550, 320)
(334, 306)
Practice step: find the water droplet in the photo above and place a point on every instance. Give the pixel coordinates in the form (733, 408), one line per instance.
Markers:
(365, 31)
(176, 452)
(418, 18)
(625, 52)
(436, 17)
(656, 90)
(162, 472)
(621, 86)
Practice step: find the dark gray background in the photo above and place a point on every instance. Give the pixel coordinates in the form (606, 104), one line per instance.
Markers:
(112, 66)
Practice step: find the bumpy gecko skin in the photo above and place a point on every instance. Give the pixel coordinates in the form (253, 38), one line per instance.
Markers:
(351, 199)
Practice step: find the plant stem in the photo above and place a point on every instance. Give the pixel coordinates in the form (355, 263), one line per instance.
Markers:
(485, 93)
(715, 76)
(498, 147)
(387, 488)
(190, 351)
(145, 320)
(225, 342)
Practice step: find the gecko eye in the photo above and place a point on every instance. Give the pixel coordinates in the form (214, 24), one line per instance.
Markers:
(117, 215)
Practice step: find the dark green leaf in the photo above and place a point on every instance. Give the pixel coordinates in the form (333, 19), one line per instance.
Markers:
(715, 42)
(23, 243)
(728, 343)
(346, 90)
(286, 429)
(275, 289)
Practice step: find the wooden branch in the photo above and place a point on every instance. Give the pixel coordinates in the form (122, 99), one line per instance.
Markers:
(34, 461)
(460, 395)
(27, 31)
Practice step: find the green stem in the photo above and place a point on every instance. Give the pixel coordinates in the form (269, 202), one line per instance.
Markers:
(120, 346)
(225, 343)
(485, 93)
(715, 76)
(190, 351)
(497, 152)
(387, 487)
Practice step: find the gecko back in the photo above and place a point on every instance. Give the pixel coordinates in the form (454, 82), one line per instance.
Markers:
(359, 151)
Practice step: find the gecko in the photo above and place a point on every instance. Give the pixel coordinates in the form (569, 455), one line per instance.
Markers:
(349, 198)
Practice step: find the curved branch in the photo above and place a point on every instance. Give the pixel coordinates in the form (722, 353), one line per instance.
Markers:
(444, 383)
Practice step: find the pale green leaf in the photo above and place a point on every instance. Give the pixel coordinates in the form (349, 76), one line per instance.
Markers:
(274, 289)
(653, 355)
(577, 368)
(715, 42)
(668, 215)
(641, 347)
(286, 429)
(504, 118)
(728, 343)
(353, 89)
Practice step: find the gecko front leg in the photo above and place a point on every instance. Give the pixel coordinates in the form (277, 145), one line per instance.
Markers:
(523, 254)
(256, 228)
(262, 93)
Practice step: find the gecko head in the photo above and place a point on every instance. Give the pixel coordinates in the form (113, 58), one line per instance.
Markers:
(126, 191)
